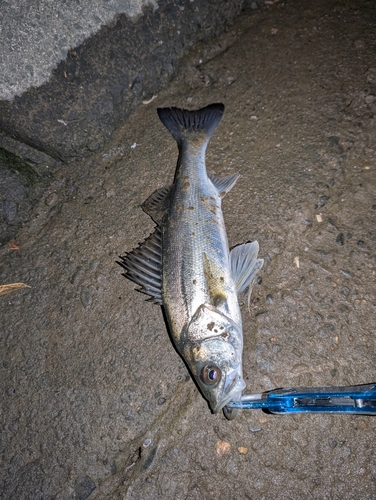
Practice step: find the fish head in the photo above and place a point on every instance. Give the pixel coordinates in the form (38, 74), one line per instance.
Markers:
(213, 350)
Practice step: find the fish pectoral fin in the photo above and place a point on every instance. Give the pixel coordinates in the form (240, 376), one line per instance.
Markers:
(144, 266)
(215, 281)
(244, 266)
(157, 203)
(223, 184)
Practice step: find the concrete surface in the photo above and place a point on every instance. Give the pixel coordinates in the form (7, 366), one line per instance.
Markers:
(96, 403)
(37, 35)
(92, 90)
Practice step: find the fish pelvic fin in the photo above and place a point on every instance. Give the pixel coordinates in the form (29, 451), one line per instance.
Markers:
(157, 204)
(223, 184)
(244, 266)
(181, 122)
(143, 266)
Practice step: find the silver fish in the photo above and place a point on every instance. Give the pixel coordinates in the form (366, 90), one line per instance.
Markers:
(186, 265)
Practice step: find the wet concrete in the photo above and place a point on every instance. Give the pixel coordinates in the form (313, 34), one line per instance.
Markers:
(96, 403)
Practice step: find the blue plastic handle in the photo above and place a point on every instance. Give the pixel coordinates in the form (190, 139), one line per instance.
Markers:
(356, 399)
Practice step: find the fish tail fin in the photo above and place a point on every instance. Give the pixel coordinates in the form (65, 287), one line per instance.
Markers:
(181, 122)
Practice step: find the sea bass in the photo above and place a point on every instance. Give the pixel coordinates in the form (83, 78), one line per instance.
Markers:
(186, 265)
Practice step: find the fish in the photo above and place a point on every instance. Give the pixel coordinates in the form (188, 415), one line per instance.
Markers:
(186, 265)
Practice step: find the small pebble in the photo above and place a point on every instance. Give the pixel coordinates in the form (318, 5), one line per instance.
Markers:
(346, 273)
(222, 448)
(340, 239)
(332, 222)
(147, 443)
(269, 298)
(323, 200)
(255, 429)
(345, 291)
(361, 244)
(51, 199)
(161, 401)
(332, 443)
(243, 450)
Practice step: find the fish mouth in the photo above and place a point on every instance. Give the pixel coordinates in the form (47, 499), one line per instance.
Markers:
(232, 392)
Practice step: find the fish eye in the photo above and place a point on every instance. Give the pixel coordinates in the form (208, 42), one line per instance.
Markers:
(210, 374)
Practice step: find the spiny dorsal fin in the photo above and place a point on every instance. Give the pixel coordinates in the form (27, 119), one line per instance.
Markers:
(157, 203)
(223, 184)
(244, 266)
(179, 122)
(144, 266)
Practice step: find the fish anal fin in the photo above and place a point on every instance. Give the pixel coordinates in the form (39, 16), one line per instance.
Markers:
(157, 203)
(223, 184)
(143, 266)
(244, 266)
(215, 281)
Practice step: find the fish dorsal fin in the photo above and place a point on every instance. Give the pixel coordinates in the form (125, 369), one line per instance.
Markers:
(157, 203)
(223, 184)
(215, 280)
(245, 265)
(144, 266)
